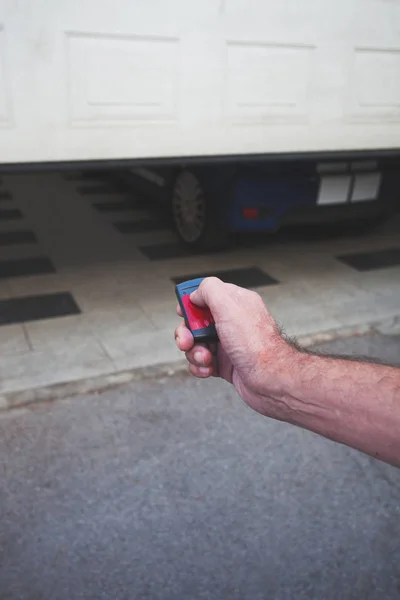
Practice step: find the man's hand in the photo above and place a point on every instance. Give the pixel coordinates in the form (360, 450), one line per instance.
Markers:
(348, 401)
(252, 355)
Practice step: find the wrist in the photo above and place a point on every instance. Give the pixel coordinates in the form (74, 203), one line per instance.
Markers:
(302, 396)
(291, 386)
(279, 376)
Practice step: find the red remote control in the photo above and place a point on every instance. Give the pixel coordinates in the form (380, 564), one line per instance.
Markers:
(199, 320)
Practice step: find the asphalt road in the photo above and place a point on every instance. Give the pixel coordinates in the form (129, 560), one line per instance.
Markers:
(175, 490)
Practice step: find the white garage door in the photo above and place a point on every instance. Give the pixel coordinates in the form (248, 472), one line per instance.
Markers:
(101, 79)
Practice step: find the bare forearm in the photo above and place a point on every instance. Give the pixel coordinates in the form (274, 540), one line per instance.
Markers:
(351, 402)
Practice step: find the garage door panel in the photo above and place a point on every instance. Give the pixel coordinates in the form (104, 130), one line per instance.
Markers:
(97, 80)
(374, 84)
(252, 96)
(122, 78)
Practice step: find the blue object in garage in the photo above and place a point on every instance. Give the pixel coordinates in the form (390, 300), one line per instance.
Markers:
(260, 203)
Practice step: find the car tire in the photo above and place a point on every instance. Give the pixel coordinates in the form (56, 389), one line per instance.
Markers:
(195, 216)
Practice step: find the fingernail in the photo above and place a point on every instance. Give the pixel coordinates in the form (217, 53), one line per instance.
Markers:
(198, 357)
(177, 339)
(205, 370)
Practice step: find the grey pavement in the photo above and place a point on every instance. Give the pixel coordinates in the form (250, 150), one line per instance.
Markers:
(173, 489)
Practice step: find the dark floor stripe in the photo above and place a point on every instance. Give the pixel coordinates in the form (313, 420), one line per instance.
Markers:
(4, 195)
(101, 188)
(7, 214)
(368, 261)
(129, 227)
(119, 206)
(12, 238)
(26, 266)
(33, 308)
(250, 277)
(164, 251)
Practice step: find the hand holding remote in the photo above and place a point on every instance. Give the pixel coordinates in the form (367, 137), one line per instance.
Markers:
(251, 354)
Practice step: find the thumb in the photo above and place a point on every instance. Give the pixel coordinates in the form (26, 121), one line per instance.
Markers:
(209, 295)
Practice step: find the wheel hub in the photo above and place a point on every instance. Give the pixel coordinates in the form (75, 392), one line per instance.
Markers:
(189, 207)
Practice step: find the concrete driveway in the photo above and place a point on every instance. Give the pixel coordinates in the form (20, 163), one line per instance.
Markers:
(173, 489)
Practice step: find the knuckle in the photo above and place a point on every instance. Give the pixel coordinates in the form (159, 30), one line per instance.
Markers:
(209, 282)
(254, 294)
(208, 288)
(259, 300)
(256, 298)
